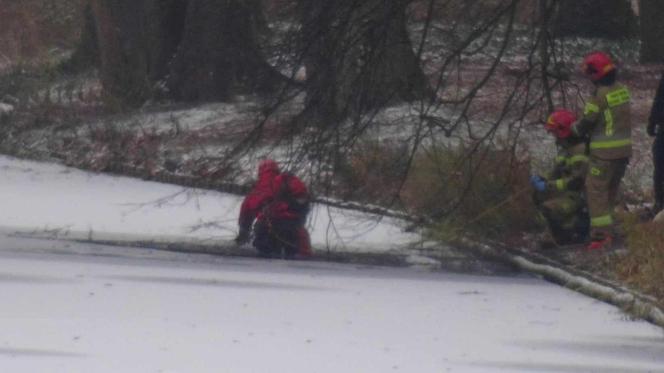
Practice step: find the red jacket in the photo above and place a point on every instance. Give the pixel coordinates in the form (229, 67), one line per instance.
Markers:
(273, 196)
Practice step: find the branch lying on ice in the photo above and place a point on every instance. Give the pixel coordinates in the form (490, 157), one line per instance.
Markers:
(631, 302)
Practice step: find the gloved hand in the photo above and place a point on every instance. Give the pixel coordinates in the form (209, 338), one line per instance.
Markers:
(242, 237)
(538, 182)
(652, 129)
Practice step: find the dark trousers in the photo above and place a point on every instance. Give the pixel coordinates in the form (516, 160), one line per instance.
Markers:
(277, 238)
(566, 215)
(658, 174)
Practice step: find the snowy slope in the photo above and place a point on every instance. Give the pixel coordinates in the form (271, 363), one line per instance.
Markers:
(53, 200)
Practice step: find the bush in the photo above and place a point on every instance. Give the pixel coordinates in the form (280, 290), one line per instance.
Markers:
(484, 192)
(23, 82)
(112, 148)
(373, 172)
(643, 265)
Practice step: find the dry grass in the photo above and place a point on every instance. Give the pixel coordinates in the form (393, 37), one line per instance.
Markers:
(485, 192)
(373, 173)
(482, 191)
(643, 265)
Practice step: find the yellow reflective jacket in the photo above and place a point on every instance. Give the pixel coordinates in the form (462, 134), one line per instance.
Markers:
(570, 167)
(607, 121)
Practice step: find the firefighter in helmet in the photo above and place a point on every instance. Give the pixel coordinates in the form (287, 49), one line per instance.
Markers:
(277, 208)
(560, 197)
(606, 121)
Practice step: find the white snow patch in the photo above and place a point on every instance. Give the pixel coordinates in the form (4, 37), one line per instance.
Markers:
(5, 108)
(49, 199)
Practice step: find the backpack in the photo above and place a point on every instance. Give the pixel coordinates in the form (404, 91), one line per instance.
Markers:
(293, 191)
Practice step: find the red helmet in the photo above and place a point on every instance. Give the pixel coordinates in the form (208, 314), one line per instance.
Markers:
(560, 123)
(268, 166)
(596, 65)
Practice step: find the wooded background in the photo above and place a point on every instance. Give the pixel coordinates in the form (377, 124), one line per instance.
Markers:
(357, 54)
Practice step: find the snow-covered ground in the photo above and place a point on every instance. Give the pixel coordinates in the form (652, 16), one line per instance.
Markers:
(79, 307)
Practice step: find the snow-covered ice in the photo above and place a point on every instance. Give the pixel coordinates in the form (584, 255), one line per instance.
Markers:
(78, 307)
(50, 199)
(150, 311)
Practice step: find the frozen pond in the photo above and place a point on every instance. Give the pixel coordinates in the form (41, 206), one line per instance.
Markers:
(84, 308)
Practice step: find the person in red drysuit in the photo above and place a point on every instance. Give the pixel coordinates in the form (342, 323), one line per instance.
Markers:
(279, 204)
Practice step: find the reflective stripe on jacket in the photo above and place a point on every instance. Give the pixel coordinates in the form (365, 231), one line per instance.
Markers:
(607, 120)
(571, 166)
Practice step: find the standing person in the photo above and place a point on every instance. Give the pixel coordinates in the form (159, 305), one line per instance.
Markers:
(607, 121)
(278, 203)
(560, 197)
(656, 130)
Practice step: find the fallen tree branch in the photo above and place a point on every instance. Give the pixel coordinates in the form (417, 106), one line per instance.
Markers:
(629, 301)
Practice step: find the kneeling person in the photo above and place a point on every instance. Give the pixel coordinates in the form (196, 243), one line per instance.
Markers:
(560, 197)
(279, 204)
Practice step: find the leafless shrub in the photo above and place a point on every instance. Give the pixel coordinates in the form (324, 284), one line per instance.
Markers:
(114, 148)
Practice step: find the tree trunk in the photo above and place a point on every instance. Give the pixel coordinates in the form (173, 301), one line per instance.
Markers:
(545, 7)
(123, 61)
(219, 54)
(358, 56)
(165, 27)
(613, 19)
(86, 54)
(652, 30)
(136, 40)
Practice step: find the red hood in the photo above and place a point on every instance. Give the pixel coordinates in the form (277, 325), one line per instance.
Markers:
(267, 169)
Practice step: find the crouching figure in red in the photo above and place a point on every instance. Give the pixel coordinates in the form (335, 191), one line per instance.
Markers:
(279, 204)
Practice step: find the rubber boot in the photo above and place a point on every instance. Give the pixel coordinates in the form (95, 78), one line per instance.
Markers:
(603, 244)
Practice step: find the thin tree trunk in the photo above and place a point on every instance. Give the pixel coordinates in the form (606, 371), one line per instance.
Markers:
(165, 27)
(545, 9)
(86, 54)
